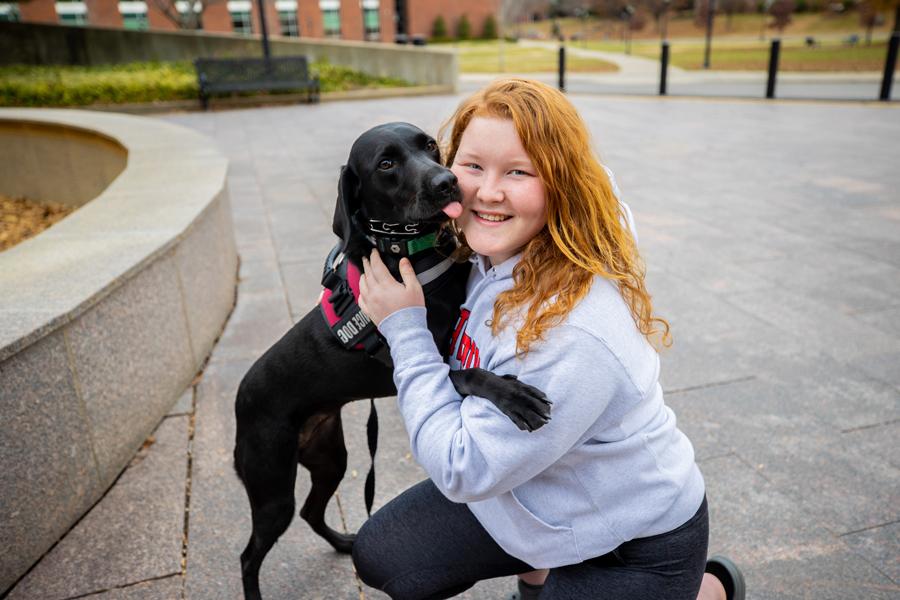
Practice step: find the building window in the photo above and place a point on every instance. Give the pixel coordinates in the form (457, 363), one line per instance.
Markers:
(241, 23)
(288, 21)
(10, 13)
(240, 11)
(331, 17)
(72, 13)
(371, 20)
(287, 17)
(134, 15)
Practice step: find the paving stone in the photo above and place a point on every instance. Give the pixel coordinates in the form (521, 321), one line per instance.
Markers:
(878, 546)
(258, 321)
(168, 588)
(184, 405)
(300, 564)
(843, 338)
(258, 276)
(782, 550)
(887, 320)
(133, 534)
(876, 440)
(44, 431)
(770, 428)
(303, 284)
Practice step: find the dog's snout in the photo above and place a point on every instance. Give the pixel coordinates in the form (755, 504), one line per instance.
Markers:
(443, 183)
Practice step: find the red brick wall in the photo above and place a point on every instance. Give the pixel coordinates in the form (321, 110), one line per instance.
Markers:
(38, 11)
(216, 17)
(421, 14)
(271, 18)
(157, 20)
(386, 16)
(351, 20)
(104, 12)
(309, 19)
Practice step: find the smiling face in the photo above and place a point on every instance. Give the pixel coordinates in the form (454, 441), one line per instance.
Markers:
(504, 200)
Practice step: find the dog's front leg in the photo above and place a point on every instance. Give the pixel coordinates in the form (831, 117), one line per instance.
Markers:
(527, 406)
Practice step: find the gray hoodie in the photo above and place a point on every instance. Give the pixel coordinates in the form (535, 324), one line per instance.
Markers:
(610, 466)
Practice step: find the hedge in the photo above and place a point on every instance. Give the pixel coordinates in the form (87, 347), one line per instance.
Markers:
(26, 85)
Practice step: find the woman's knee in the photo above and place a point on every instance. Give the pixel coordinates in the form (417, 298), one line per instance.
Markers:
(368, 558)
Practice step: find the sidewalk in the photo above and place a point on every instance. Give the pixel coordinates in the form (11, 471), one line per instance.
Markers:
(771, 233)
(640, 76)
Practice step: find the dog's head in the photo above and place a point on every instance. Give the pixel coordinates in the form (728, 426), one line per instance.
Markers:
(393, 174)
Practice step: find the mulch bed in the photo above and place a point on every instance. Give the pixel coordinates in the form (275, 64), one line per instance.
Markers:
(21, 219)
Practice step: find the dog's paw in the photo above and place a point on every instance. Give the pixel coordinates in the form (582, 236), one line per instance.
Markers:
(527, 406)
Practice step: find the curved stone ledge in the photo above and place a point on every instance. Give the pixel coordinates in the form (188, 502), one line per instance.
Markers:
(106, 317)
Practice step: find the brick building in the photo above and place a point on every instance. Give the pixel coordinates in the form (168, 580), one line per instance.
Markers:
(416, 17)
(372, 20)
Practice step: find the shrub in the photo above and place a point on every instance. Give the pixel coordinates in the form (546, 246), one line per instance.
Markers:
(489, 29)
(439, 29)
(463, 28)
(26, 85)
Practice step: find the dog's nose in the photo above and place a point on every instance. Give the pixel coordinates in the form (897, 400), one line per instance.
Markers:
(443, 183)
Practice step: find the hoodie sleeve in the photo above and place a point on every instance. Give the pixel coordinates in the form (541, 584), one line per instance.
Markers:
(468, 447)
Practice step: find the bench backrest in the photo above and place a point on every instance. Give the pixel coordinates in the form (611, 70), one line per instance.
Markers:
(233, 72)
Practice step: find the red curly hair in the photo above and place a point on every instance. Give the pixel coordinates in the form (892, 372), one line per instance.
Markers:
(585, 235)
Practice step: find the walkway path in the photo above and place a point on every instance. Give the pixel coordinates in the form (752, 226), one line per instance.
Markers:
(771, 232)
(640, 76)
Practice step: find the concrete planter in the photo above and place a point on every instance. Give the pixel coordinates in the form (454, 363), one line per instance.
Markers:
(106, 317)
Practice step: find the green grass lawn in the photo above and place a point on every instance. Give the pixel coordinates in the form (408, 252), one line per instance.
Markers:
(746, 55)
(26, 85)
(683, 26)
(485, 57)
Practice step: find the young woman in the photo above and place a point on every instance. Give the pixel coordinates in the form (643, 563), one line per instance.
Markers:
(607, 495)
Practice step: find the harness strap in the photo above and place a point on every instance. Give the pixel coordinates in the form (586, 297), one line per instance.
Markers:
(372, 438)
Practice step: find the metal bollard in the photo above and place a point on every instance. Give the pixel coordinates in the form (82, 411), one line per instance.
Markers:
(664, 68)
(889, 65)
(562, 68)
(773, 67)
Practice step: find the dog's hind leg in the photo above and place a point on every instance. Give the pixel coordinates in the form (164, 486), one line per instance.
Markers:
(269, 481)
(323, 452)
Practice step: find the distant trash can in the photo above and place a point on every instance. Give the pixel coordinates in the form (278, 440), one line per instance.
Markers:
(418, 40)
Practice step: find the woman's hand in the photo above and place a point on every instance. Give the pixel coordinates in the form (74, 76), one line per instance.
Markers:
(380, 294)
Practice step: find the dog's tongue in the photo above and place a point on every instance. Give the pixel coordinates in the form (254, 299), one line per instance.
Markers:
(453, 210)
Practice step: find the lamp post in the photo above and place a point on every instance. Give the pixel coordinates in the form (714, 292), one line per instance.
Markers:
(710, 11)
(626, 14)
(263, 30)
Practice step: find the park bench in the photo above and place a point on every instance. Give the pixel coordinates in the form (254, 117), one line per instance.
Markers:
(228, 75)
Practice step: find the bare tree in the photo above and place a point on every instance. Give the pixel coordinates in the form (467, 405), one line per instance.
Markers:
(731, 7)
(868, 17)
(190, 18)
(781, 11)
(658, 9)
(886, 6)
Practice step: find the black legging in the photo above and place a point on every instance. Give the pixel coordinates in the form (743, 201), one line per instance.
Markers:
(420, 545)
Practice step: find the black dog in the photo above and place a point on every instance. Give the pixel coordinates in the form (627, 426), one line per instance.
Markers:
(391, 195)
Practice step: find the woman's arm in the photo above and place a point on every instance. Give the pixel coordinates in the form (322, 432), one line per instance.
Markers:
(469, 449)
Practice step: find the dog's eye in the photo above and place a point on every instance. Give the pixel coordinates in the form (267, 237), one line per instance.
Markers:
(385, 164)
(431, 146)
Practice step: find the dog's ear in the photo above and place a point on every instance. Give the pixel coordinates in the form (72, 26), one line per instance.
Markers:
(347, 204)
